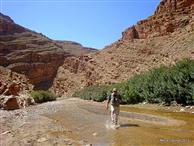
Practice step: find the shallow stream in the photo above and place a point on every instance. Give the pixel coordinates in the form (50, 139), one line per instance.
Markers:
(139, 126)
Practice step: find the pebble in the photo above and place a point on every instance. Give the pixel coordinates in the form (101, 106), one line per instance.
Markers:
(95, 134)
(70, 143)
(5, 132)
(82, 142)
(182, 110)
(43, 139)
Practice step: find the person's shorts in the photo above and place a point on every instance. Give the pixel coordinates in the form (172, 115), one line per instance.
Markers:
(114, 109)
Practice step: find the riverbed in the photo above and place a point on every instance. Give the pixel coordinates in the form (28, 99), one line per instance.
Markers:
(77, 122)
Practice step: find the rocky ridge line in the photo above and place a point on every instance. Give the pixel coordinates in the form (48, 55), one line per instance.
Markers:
(169, 16)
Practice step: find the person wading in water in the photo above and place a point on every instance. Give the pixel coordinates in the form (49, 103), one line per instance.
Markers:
(114, 99)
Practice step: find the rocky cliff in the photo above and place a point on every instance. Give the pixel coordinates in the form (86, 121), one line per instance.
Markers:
(75, 48)
(33, 54)
(29, 53)
(74, 74)
(162, 39)
(8, 78)
(7, 26)
(170, 16)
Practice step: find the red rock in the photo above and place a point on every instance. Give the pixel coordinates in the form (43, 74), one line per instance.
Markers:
(33, 54)
(15, 102)
(7, 85)
(169, 16)
(8, 26)
(131, 33)
(49, 63)
(13, 89)
(10, 103)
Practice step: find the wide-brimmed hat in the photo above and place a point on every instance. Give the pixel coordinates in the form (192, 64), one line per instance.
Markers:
(114, 90)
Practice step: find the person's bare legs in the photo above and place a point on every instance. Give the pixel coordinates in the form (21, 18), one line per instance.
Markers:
(112, 114)
(115, 115)
(117, 109)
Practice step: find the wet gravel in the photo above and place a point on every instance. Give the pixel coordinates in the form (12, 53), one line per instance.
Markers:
(60, 123)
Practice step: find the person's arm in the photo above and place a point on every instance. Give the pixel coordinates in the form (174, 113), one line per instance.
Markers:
(120, 98)
(108, 101)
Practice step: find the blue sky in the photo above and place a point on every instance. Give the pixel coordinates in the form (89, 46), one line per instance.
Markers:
(93, 23)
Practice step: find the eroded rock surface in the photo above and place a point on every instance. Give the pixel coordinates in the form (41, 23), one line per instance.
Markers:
(162, 39)
(33, 54)
(169, 16)
(14, 90)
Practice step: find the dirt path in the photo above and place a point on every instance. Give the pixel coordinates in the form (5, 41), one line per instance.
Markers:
(78, 122)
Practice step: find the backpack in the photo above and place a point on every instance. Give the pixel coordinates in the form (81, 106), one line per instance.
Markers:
(115, 100)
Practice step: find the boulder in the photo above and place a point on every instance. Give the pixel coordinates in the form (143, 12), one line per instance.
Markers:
(25, 100)
(15, 102)
(9, 103)
(13, 89)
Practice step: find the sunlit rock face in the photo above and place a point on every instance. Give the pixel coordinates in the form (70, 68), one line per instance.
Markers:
(33, 54)
(162, 39)
(169, 16)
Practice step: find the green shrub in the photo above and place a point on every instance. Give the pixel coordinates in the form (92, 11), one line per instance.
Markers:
(43, 96)
(96, 93)
(163, 84)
